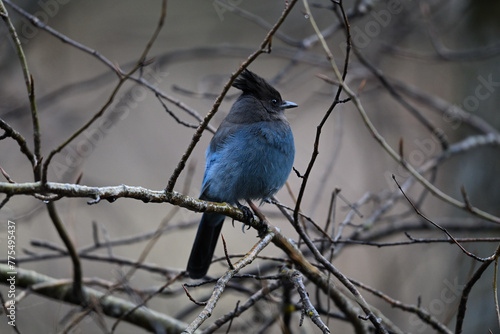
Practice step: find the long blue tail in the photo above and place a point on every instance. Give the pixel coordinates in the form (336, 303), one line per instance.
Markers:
(204, 244)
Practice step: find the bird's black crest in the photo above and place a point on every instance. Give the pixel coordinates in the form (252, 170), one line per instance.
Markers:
(251, 83)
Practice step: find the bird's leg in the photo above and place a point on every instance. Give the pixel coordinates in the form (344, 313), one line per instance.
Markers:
(246, 212)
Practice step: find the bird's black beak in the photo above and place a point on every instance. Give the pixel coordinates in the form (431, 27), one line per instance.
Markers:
(288, 105)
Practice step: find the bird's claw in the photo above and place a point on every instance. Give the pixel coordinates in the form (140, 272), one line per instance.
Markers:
(247, 213)
(243, 227)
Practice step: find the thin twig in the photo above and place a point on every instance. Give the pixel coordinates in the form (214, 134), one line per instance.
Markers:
(252, 300)
(6, 175)
(323, 281)
(468, 287)
(495, 291)
(177, 119)
(417, 211)
(341, 77)
(435, 131)
(28, 79)
(226, 254)
(145, 300)
(223, 281)
(23, 146)
(122, 79)
(381, 140)
(419, 311)
(75, 259)
(328, 112)
(297, 280)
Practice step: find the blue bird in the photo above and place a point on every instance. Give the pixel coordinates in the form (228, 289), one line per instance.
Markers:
(249, 158)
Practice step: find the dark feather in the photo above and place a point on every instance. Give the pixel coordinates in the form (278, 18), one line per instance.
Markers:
(251, 83)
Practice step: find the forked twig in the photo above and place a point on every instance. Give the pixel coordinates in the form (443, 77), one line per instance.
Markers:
(224, 280)
(418, 212)
(295, 277)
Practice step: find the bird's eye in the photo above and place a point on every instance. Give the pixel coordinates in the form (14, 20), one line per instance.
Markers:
(274, 102)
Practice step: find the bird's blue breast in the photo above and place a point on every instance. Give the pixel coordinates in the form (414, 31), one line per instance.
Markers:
(251, 163)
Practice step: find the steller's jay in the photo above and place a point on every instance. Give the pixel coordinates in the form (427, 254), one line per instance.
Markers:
(249, 158)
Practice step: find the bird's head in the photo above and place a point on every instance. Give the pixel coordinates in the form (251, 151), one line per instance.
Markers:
(259, 101)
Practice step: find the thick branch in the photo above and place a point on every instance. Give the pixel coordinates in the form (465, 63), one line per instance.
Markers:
(54, 190)
(112, 306)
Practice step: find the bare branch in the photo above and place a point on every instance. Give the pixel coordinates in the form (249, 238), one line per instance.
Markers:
(468, 287)
(31, 91)
(77, 268)
(307, 307)
(223, 281)
(111, 306)
(260, 294)
(417, 211)
(23, 146)
(420, 312)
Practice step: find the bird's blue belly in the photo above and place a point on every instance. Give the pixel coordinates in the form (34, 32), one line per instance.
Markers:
(256, 164)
